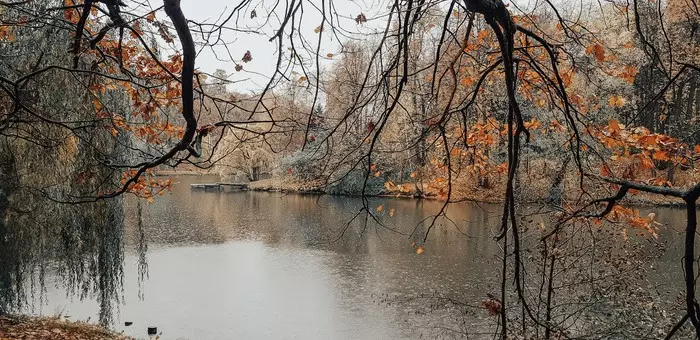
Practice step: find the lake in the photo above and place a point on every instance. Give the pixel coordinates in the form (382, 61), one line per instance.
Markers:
(259, 265)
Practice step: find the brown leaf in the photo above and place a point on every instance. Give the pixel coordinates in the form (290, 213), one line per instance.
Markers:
(247, 57)
(597, 50)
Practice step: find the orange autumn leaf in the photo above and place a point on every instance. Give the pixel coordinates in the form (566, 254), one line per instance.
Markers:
(380, 208)
(467, 81)
(646, 162)
(97, 104)
(647, 141)
(661, 181)
(566, 78)
(614, 125)
(629, 73)
(532, 124)
(596, 50)
(6, 33)
(616, 101)
(660, 156)
(420, 250)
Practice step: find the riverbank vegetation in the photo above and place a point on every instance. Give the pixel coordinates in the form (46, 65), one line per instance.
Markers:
(18, 327)
(574, 106)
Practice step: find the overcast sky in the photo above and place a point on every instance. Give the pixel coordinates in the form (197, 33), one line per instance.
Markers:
(256, 73)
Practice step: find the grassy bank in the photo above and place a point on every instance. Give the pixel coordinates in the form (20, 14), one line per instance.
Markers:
(42, 328)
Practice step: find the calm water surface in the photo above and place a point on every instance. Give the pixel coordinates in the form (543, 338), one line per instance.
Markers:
(254, 265)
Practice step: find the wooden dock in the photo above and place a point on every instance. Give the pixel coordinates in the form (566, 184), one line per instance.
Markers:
(219, 186)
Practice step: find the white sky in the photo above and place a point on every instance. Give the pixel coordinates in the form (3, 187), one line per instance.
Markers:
(257, 72)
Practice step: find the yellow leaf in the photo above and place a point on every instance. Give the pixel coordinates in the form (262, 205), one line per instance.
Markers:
(420, 250)
(380, 208)
(391, 212)
(617, 101)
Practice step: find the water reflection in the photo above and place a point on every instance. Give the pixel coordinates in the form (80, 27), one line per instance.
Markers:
(257, 265)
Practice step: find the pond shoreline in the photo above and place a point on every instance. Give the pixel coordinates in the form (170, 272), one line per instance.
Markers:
(40, 328)
(486, 196)
(635, 202)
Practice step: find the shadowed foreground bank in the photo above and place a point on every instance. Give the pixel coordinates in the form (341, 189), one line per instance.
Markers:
(22, 327)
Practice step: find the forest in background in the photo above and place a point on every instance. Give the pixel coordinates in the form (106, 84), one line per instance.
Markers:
(614, 87)
(576, 105)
